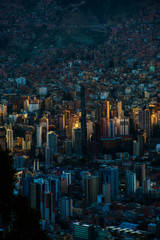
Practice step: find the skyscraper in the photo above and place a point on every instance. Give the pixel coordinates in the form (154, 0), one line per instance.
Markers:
(52, 143)
(131, 182)
(111, 129)
(119, 109)
(144, 121)
(48, 206)
(111, 175)
(83, 123)
(124, 126)
(66, 207)
(39, 136)
(77, 141)
(9, 139)
(140, 170)
(107, 109)
(55, 187)
(106, 191)
(35, 190)
(91, 188)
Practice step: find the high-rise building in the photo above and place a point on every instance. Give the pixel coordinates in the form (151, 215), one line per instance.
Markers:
(105, 128)
(111, 129)
(26, 105)
(89, 128)
(73, 121)
(98, 114)
(144, 121)
(55, 187)
(21, 81)
(28, 136)
(68, 147)
(119, 109)
(3, 113)
(84, 231)
(65, 182)
(106, 190)
(52, 143)
(47, 157)
(26, 145)
(39, 136)
(146, 186)
(131, 182)
(140, 170)
(35, 190)
(43, 122)
(36, 165)
(84, 174)
(83, 122)
(66, 207)
(135, 111)
(9, 139)
(124, 126)
(136, 148)
(76, 141)
(48, 104)
(107, 109)
(111, 175)
(140, 139)
(48, 206)
(3, 138)
(61, 122)
(91, 188)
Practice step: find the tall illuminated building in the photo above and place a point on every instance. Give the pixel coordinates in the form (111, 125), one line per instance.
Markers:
(107, 109)
(153, 121)
(83, 123)
(72, 122)
(124, 126)
(135, 112)
(144, 122)
(119, 109)
(89, 128)
(67, 115)
(9, 136)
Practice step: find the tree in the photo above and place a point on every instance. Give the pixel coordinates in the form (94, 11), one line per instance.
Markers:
(17, 218)
(26, 224)
(7, 185)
